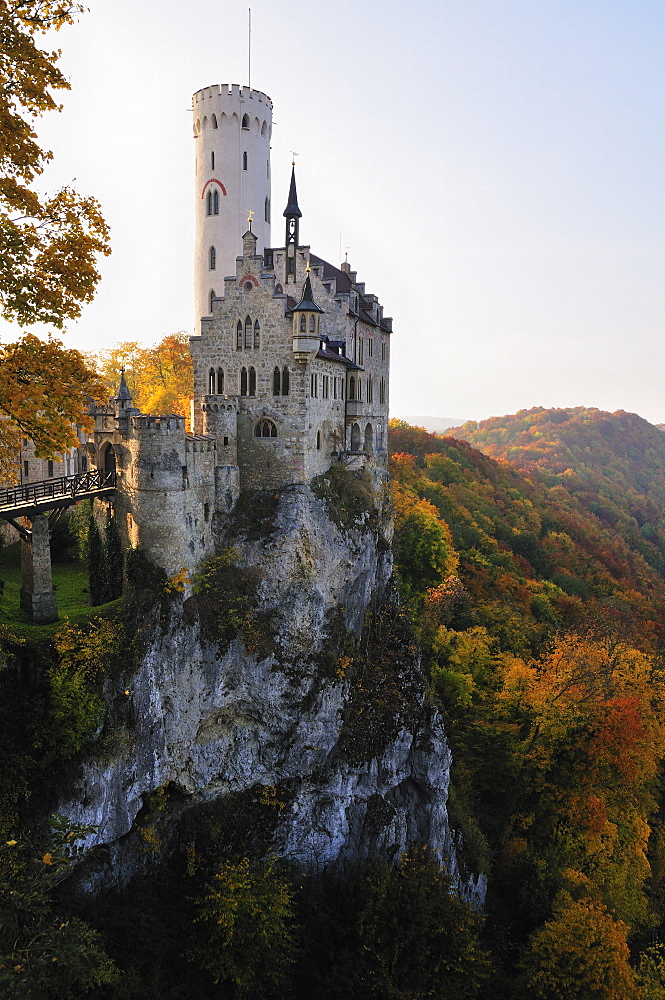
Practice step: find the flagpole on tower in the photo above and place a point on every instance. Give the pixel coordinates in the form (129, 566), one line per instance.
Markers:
(249, 51)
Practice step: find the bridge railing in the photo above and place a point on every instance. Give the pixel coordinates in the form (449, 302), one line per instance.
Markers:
(55, 489)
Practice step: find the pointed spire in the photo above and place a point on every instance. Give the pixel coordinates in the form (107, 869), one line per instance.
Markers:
(307, 303)
(292, 211)
(123, 390)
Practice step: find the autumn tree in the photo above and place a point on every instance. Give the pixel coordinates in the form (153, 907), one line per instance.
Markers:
(159, 377)
(48, 244)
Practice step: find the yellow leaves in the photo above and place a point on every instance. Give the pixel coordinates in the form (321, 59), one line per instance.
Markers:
(343, 665)
(47, 859)
(176, 584)
(11, 843)
(160, 378)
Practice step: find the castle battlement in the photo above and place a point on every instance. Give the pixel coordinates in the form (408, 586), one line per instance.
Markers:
(171, 423)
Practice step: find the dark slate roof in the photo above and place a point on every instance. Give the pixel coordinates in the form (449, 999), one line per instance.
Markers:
(292, 210)
(334, 356)
(123, 391)
(307, 303)
(329, 271)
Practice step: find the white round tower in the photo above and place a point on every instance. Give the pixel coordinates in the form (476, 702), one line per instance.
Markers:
(232, 129)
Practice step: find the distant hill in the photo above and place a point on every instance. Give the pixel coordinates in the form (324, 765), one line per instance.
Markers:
(613, 463)
(435, 425)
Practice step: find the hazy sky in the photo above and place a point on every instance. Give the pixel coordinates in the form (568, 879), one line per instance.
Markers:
(496, 168)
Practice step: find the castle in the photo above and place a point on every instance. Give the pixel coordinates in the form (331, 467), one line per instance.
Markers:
(291, 365)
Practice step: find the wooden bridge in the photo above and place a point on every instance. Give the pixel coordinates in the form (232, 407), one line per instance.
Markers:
(51, 494)
(35, 501)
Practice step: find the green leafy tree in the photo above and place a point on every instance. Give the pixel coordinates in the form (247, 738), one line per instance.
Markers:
(46, 954)
(96, 564)
(244, 936)
(113, 561)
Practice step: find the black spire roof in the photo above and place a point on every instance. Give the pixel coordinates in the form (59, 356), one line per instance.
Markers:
(123, 391)
(292, 211)
(307, 303)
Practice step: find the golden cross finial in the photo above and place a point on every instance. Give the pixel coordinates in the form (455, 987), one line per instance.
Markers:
(293, 157)
(250, 217)
(308, 268)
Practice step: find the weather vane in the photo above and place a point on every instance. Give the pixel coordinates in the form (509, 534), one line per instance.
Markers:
(293, 157)
(249, 219)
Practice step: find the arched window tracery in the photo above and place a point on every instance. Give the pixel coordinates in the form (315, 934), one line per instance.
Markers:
(239, 335)
(286, 379)
(265, 429)
(220, 381)
(248, 333)
(252, 381)
(276, 382)
(212, 259)
(211, 381)
(243, 381)
(257, 335)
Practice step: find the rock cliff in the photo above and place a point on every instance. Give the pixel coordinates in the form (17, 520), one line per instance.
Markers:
(289, 679)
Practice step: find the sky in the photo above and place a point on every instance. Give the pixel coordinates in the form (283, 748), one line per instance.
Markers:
(494, 167)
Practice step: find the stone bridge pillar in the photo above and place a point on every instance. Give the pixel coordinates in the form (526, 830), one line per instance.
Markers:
(37, 594)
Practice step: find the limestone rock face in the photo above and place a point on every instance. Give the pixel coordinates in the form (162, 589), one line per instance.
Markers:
(331, 719)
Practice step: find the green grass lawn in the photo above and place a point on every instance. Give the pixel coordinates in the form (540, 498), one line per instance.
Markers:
(70, 580)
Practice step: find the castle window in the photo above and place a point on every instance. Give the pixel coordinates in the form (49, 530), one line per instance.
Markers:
(355, 437)
(244, 160)
(278, 289)
(49, 473)
(211, 381)
(276, 382)
(334, 381)
(26, 468)
(267, 210)
(370, 347)
(341, 386)
(314, 386)
(325, 386)
(213, 122)
(257, 335)
(220, 381)
(352, 388)
(359, 390)
(383, 351)
(285, 381)
(212, 160)
(248, 286)
(361, 351)
(209, 202)
(265, 429)
(303, 324)
(239, 336)
(212, 258)
(318, 440)
(370, 390)
(84, 463)
(212, 296)
(245, 121)
(215, 202)
(226, 442)
(264, 129)
(252, 381)
(243, 381)
(382, 390)
(312, 324)
(206, 511)
(248, 333)
(369, 439)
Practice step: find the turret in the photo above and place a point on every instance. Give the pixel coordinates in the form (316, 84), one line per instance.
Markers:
(306, 319)
(123, 403)
(292, 214)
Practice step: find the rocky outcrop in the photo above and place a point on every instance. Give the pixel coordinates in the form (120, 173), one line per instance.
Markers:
(291, 672)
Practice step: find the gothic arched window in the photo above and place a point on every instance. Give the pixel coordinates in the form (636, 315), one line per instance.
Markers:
(370, 389)
(252, 381)
(265, 429)
(245, 121)
(244, 160)
(312, 324)
(211, 381)
(352, 388)
(212, 258)
(220, 381)
(243, 381)
(215, 202)
(276, 382)
(239, 336)
(257, 335)
(212, 160)
(248, 332)
(318, 440)
(209, 202)
(285, 381)
(212, 296)
(267, 210)
(303, 324)
(213, 121)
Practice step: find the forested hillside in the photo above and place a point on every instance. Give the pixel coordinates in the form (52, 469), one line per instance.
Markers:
(543, 646)
(614, 463)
